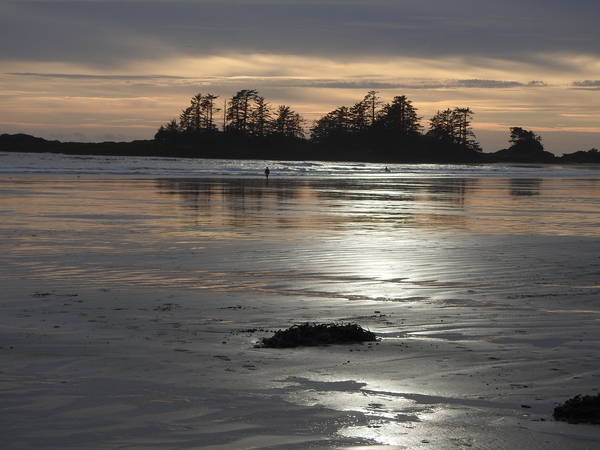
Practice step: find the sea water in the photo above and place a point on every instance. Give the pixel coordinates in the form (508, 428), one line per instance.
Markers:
(60, 164)
(324, 228)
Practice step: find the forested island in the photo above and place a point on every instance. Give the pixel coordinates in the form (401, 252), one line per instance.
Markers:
(368, 131)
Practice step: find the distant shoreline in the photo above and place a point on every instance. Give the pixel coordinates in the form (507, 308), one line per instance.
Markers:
(31, 144)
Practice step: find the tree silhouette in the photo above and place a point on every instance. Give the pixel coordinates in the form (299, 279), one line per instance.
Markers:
(463, 117)
(368, 130)
(209, 109)
(358, 117)
(260, 117)
(239, 110)
(399, 118)
(372, 103)
(525, 141)
(333, 128)
(288, 123)
(441, 125)
(168, 132)
(198, 117)
(453, 128)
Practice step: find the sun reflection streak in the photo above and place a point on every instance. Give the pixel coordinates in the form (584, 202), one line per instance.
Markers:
(377, 239)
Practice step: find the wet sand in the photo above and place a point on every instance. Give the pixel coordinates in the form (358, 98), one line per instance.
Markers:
(130, 310)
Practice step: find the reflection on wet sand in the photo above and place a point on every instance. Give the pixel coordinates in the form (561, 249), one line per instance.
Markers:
(525, 186)
(485, 300)
(354, 238)
(321, 203)
(479, 205)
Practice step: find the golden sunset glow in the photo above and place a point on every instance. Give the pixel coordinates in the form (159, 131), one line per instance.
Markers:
(117, 70)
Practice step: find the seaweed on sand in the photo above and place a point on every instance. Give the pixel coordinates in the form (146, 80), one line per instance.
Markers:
(579, 409)
(318, 334)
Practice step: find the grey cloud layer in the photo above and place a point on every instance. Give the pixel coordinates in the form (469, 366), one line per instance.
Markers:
(110, 33)
(593, 84)
(312, 83)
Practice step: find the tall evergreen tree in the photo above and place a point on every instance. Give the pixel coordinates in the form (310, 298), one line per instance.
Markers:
(442, 126)
(260, 117)
(399, 118)
(287, 122)
(453, 127)
(359, 117)
(462, 118)
(333, 127)
(198, 117)
(239, 110)
(207, 105)
(372, 103)
(168, 132)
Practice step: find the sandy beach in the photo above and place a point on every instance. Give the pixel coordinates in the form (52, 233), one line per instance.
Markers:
(131, 307)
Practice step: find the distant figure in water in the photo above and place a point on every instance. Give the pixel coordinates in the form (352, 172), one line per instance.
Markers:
(267, 172)
(387, 170)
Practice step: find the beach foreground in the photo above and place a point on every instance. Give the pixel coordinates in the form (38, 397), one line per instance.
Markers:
(131, 307)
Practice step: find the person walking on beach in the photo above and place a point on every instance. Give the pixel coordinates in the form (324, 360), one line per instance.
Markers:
(267, 172)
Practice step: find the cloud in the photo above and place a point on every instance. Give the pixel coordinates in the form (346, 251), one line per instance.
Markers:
(112, 33)
(79, 76)
(487, 84)
(588, 84)
(412, 84)
(290, 82)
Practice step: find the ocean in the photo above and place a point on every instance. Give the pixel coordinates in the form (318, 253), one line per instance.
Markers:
(59, 164)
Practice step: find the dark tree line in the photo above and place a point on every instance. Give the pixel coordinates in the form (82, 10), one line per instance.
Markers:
(371, 129)
(366, 120)
(250, 128)
(246, 114)
(393, 131)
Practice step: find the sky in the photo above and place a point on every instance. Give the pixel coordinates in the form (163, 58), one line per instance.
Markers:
(94, 71)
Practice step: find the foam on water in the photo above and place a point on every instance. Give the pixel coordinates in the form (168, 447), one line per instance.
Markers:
(60, 164)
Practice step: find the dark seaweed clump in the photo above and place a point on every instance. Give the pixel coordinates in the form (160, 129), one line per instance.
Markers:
(318, 334)
(579, 409)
